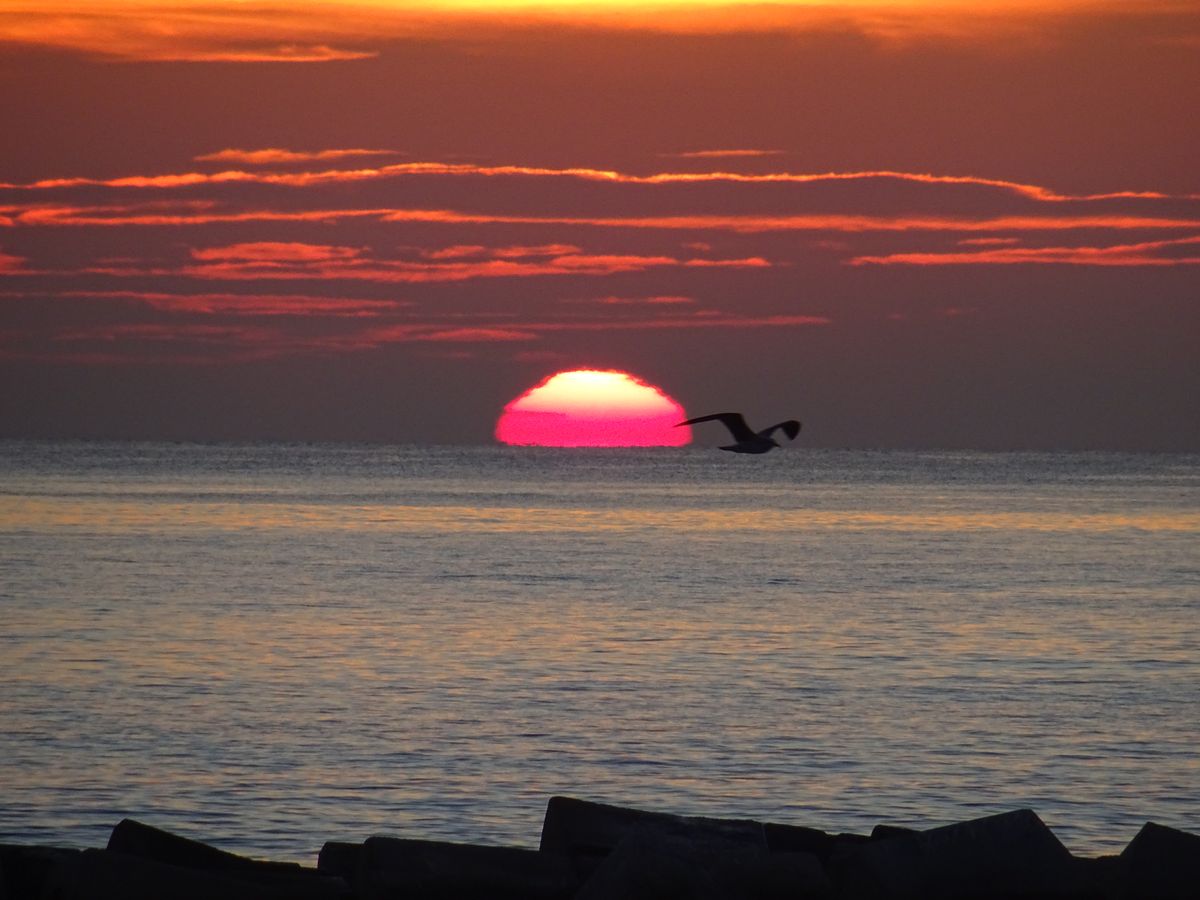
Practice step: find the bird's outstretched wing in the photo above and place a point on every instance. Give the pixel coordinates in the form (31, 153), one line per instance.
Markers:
(791, 428)
(733, 421)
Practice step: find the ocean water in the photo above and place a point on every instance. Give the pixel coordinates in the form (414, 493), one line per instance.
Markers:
(270, 646)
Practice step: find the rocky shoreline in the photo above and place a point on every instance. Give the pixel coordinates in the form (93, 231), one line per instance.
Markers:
(594, 851)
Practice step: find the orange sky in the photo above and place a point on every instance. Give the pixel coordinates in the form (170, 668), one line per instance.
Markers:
(909, 224)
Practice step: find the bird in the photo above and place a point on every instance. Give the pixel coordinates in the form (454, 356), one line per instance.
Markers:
(748, 441)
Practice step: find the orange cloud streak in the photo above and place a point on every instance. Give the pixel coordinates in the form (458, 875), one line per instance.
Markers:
(251, 304)
(1142, 254)
(723, 154)
(279, 261)
(10, 265)
(277, 251)
(413, 169)
(270, 156)
(327, 30)
(43, 215)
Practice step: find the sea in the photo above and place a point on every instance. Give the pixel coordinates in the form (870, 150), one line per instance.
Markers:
(267, 646)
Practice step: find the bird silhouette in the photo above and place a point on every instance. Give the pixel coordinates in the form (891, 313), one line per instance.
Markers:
(748, 440)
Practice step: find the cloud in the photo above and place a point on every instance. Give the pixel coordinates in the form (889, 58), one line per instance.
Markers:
(11, 265)
(700, 319)
(182, 214)
(168, 333)
(277, 251)
(665, 300)
(112, 215)
(477, 251)
(1150, 253)
(271, 156)
(477, 335)
(323, 31)
(269, 260)
(610, 176)
(280, 53)
(215, 31)
(723, 154)
(377, 336)
(251, 304)
(216, 338)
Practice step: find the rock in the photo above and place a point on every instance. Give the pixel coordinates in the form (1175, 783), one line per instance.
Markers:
(882, 832)
(134, 839)
(25, 871)
(1011, 855)
(1161, 863)
(395, 867)
(652, 862)
(339, 858)
(1098, 877)
(799, 839)
(108, 875)
(589, 831)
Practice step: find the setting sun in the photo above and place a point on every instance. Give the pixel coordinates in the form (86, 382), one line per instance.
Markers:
(592, 408)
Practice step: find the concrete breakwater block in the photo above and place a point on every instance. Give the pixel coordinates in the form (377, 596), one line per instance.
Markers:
(134, 838)
(136, 841)
(108, 875)
(651, 863)
(400, 868)
(1011, 855)
(594, 851)
(1161, 863)
(801, 839)
(586, 830)
(339, 858)
(26, 870)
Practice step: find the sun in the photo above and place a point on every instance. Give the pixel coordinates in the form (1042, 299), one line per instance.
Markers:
(593, 408)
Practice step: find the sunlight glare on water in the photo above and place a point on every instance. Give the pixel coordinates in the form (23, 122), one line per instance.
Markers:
(270, 646)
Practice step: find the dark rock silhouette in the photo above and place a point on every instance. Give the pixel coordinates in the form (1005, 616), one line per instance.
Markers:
(24, 871)
(596, 851)
(1162, 863)
(1009, 855)
(396, 867)
(339, 858)
(133, 838)
(802, 839)
(651, 862)
(588, 831)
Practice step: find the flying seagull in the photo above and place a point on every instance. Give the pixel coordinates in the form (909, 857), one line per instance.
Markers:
(748, 441)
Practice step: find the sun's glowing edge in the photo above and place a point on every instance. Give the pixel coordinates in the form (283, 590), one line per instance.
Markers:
(592, 408)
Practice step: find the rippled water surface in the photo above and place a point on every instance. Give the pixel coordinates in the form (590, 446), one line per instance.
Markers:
(270, 646)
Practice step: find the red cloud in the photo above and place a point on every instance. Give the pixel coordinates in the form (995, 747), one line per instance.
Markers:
(634, 301)
(222, 30)
(150, 331)
(253, 304)
(431, 169)
(1143, 254)
(251, 262)
(988, 241)
(277, 251)
(11, 265)
(270, 156)
(477, 251)
(203, 214)
(477, 335)
(723, 154)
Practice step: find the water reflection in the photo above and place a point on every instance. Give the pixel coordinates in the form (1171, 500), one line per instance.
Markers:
(307, 657)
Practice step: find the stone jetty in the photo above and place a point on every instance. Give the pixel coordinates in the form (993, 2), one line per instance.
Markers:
(594, 851)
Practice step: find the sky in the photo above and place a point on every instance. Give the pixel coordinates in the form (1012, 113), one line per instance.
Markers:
(908, 224)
